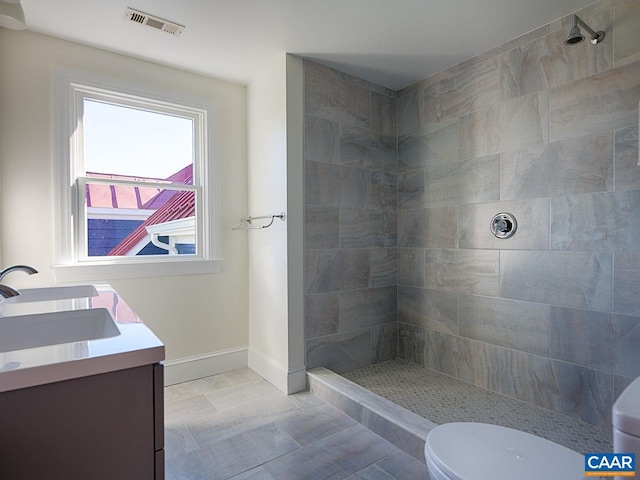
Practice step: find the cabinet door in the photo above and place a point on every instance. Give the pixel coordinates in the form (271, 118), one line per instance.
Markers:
(99, 427)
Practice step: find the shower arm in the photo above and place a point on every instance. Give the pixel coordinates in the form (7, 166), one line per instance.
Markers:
(577, 20)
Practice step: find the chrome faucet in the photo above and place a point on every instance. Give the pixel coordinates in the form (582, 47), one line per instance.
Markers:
(22, 268)
(6, 291)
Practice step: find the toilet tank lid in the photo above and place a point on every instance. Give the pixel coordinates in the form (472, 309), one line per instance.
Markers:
(626, 410)
(480, 451)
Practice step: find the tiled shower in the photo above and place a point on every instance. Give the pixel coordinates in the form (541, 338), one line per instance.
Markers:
(400, 188)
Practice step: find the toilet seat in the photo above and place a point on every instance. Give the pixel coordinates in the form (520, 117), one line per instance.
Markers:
(479, 451)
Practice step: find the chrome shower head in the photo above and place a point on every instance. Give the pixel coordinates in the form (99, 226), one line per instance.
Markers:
(575, 35)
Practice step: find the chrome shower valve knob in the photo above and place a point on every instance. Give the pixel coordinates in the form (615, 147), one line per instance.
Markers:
(503, 225)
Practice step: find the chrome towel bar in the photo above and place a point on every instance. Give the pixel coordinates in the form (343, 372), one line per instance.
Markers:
(246, 223)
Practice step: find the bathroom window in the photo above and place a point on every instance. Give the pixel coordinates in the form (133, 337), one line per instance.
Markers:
(135, 180)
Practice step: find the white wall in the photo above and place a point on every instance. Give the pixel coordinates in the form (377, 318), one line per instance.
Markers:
(194, 315)
(276, 345)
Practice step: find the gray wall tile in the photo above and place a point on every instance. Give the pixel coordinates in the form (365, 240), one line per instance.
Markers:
(599, 103)
(433, 79)
(411, 266)
(336, 269)
(430, 227)
(314, 68)
(321, 227)
(321, 140)
(572, 279)
(355, 187)
(626, 42)
(367, 307)
(519, 74)
(471, 361)
(334, 99)
(626, 283)
(603, 341)
(519, 325)
(513, 124)
(470, 181)
(479, 133)
(322, 184)
(361, 228)
(411, 343)
(469, 90)
(408, 112)
(431, 309)
(562, 387)
(429, 146)
(336, 186)
(341, 352)
(411, 185)
(384, 189)
(579, 165)
(322, 314)
(361, 147)
(596, 222)
(524, 121)
(465, 271)
(384, 342)
(532, 231)
(626, 158)
(383, 113)
(383, 267)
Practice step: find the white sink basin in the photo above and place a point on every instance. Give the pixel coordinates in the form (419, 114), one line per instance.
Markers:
(42, 329)
(46, 294)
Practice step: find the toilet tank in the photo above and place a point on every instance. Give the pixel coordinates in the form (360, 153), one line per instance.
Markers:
(626, 420)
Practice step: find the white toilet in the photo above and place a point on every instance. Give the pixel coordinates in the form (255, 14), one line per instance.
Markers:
(626, 421)
(478, 451)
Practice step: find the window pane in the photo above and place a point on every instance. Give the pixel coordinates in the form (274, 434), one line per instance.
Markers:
(129, 142)
(127, 220)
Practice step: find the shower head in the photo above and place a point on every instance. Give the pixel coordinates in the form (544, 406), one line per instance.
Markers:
(576, 36)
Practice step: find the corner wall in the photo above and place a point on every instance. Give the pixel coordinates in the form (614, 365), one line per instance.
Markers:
(548, 133)
(350, 271)
(275, 254)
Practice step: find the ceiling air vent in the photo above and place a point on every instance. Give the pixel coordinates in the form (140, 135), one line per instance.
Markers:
(152, 21)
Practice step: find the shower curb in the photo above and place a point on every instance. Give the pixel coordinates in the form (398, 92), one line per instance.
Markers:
(396, 424)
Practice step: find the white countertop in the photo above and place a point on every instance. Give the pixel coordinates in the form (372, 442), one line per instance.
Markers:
(136, 345)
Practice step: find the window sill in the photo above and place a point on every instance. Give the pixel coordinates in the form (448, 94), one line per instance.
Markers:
(96, 272)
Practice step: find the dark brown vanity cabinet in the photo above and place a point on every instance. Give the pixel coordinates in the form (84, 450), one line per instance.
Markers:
(101, 427)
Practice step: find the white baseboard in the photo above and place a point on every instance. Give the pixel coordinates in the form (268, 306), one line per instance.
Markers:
(287, 381)
(199, 366)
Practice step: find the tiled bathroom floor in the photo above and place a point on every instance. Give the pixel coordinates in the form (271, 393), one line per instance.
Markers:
(441, 399)
(236, 425)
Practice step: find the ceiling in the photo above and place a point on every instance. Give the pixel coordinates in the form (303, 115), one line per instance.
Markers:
(390, 42)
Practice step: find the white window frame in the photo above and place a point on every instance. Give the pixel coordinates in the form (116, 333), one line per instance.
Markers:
(71, 260)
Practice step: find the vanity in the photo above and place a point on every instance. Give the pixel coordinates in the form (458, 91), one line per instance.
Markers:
(81, 388)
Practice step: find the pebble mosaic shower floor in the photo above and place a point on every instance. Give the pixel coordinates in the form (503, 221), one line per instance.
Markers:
(441, 399)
